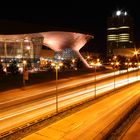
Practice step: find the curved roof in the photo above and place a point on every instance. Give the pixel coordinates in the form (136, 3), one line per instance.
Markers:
(56, 40)
(59, 40)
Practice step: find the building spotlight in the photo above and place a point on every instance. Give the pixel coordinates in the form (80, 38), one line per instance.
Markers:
(125, 13)
(118, 13)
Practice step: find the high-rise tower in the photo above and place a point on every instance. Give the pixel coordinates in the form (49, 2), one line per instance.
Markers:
(119, 32)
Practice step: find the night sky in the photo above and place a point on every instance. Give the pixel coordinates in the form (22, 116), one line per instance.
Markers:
(89, 17)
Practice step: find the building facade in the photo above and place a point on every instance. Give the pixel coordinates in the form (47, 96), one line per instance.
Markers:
(21, 48)
(16, 49)
(119, 32)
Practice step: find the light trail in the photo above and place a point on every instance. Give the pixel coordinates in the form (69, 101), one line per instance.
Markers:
(68, 84)
(72, 97)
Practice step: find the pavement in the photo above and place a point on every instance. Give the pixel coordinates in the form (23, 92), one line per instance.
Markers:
(134, 131)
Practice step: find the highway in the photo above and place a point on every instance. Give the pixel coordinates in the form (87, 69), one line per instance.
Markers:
(40, 90)
(73, 93)
(100, 118)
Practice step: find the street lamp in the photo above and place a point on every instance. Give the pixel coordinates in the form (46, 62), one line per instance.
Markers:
(116, 66)
(88, 57)
(114, 77)
(127, 64)
(24, 65)
(5, 51)
(57, 66)
(95, 64)
(28, 48)
(73, 61)
(138, 68)
(114, 63)
(136, 53)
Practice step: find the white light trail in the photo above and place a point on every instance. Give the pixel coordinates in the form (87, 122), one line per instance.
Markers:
(71, 98)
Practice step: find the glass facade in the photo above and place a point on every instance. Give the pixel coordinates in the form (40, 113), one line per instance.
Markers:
(20, 49)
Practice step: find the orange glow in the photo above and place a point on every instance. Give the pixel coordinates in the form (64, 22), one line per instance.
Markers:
(136, 52)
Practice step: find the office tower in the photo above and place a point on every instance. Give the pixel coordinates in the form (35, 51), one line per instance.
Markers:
(119, 32)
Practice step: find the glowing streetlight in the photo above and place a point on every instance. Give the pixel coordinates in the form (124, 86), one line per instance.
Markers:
(24, 63)
(88, 57)
(57, 66)
(73, 60)
(118, 13)
(115, 57)
(112, 63)
(135, 52)
(125, 13)
(117, 63)
(28, 47)
(130, 63)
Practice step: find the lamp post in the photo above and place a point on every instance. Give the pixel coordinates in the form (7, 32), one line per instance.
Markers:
(129, 65)
(5, 51)
(136, 54)
(29, 51)
(126, 63)
(114, 64)
(95, 79)
(95, 64)
(138, 68)
(114, 75)
(56, 83)
(57, 66)
(88, 58)
(28, 48)
(73, 63)
(24, 65)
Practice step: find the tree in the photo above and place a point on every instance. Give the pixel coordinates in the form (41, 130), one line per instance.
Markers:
(1, 69)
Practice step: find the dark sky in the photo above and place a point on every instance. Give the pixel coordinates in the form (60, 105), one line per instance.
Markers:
(89, 17)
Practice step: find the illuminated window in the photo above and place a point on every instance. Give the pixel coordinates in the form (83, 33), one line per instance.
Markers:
(113, 28)
(112, 37)
(124, 37)
(124, 27)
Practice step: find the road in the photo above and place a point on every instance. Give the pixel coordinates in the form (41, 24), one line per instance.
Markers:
(19, 114)
(99, 119)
